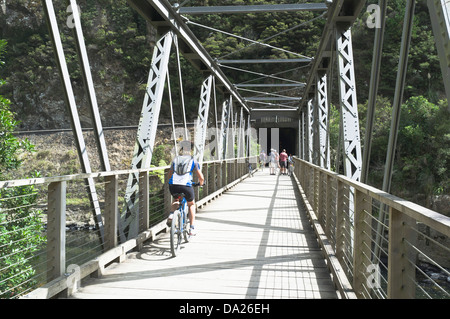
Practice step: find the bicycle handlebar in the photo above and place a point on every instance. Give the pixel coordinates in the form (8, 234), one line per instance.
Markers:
(198, 184)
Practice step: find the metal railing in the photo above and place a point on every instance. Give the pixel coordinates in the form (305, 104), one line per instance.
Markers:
(48, 237)
(404, 255)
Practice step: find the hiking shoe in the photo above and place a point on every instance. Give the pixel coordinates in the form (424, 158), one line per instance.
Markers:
(169, 220)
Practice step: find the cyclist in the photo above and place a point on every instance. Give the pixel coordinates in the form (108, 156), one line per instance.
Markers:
(180, 181)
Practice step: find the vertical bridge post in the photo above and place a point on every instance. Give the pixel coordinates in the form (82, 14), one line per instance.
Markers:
(73, 111)
(56, 225)
(147, 129)
(202, 119)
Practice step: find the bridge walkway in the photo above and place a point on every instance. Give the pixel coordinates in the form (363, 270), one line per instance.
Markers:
(254, 241)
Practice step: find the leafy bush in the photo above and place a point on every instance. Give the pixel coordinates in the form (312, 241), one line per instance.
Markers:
(20, 238)
(20, 225)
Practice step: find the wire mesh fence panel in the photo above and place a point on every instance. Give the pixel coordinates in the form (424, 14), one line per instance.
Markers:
(387, 247)
(22, 240)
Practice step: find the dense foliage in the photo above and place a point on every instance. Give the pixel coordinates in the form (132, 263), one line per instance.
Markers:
(423, 148)
(9, 144)
(20, 225)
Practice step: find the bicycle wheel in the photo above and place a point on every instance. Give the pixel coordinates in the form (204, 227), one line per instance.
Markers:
(187, 225)
(175, 233)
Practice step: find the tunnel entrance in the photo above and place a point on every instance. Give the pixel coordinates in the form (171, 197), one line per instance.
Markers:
(279, 139)
(287, 140)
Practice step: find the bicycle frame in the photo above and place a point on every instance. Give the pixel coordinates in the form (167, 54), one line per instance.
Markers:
(179, 225)
(182, 208)
(180, 222)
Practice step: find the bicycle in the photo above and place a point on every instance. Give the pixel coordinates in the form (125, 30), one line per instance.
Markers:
(180, 223)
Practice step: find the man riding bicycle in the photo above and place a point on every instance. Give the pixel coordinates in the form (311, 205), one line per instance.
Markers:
(180, 181)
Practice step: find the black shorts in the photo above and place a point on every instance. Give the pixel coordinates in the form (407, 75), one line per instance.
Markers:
(188, 191)
(283, 164)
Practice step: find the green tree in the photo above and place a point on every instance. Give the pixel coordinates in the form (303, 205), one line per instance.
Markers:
(424, 146)
(422, 152)
(9, 144)
(20, 226)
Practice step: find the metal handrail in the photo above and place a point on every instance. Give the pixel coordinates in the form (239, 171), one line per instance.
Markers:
(55, 269)
(414, 237)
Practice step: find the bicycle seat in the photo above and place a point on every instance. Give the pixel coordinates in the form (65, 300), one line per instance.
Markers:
(178, 196)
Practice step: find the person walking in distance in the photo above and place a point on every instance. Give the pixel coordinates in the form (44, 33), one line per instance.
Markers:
(273, 161)
(262, 160)
(283, 162)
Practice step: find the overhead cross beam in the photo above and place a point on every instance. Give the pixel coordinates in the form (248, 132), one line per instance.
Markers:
(272, 98)
(253, 8)
(249, 61)
(162, 16)
(338, 11)
(271, 85)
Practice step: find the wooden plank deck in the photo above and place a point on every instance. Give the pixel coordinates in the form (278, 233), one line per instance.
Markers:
(252, 242)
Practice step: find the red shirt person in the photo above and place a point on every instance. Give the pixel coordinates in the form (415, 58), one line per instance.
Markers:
(283, 162)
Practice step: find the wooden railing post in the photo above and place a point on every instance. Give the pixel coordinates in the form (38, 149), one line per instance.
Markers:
(56, 230)
(111, 211)
(315, 187)
(308, 172)
(167, 195)
(211, 175)
(340, 221)
(207, 175)
(328, 205)
(401, 274)
(221, 175)
(217, 173)
(303, 177)
(144, 201)
(362, 251)
(320, 196)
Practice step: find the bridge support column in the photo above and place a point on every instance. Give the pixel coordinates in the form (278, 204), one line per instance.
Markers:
(224, 128)
(56, 238)
(241, 139)
(322, 120)
(202, 119)
(147, 129)
(73, 111)
(349, 111)
(396, 111)
(348, 102)
(440, 21)
(310, 131)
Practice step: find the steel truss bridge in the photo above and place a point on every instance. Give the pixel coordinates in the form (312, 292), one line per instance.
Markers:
(355, 226)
